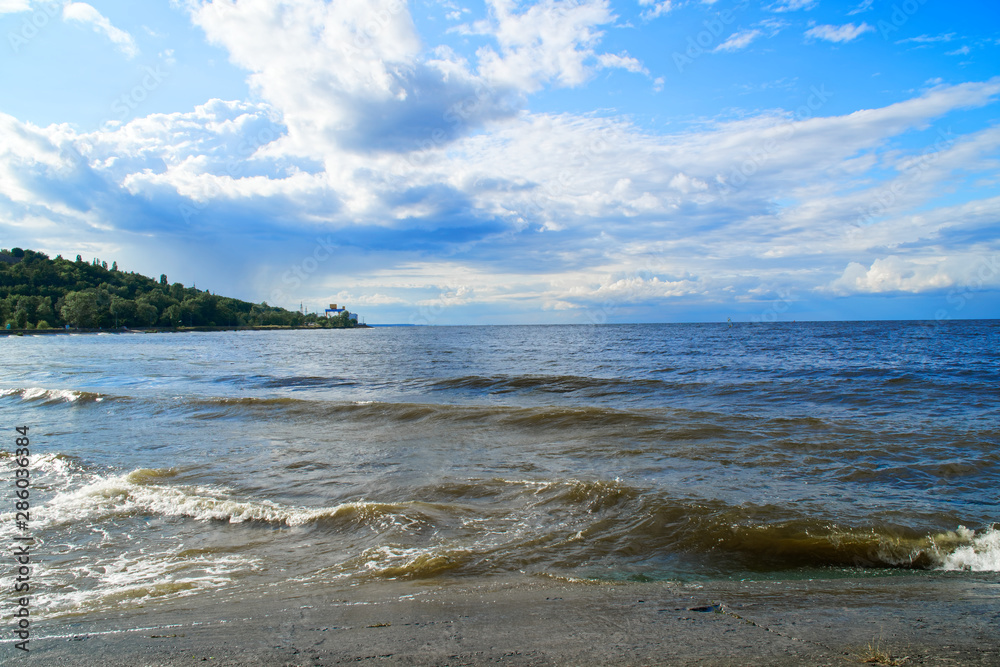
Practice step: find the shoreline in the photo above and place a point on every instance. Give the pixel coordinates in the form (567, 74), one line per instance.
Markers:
(936, 619)
(150, 330)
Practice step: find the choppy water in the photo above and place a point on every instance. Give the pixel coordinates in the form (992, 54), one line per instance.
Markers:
(166, 464)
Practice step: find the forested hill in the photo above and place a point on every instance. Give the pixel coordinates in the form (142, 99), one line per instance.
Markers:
(39, 293)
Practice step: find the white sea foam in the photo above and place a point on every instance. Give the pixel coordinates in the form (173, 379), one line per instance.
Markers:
(393, 561)
(982, 554)
(52, 464)
(50, 395)
(139, 492)
(130, 578)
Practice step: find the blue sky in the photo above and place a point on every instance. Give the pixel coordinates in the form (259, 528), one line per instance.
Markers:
(445, 162)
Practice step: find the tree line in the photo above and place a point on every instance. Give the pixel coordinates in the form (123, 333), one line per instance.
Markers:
(41, 293)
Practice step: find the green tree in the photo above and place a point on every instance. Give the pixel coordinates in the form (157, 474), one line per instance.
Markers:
(146, 313)
(123, 311)
(59, 291)
(44, 310)
(79, 308)
(171, 316)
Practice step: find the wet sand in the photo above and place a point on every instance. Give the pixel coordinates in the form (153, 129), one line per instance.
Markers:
(946, 619)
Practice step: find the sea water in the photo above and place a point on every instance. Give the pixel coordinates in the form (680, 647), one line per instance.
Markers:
(168, 465)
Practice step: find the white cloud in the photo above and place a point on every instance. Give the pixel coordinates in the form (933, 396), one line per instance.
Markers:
(894, 274)
(349, 75)
(621, 61)
(657, 8)
(374, 299)
(354, 76)
(739, 40)
(844, 33)
(14, 6)
(866, 5)
(549, 42)
(791, 5)
(81, 12)
(964, 51)
(927, 39)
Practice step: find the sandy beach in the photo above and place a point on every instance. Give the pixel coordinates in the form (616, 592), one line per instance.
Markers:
(926, 620)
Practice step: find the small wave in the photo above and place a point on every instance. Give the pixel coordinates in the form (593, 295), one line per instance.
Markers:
(393, 562)
(133, 578)
(142, 492)
(52, 396)
(52, 462)
(305, 382)
(560, 384)
(977, 553)
(491, 525)
(369, 411)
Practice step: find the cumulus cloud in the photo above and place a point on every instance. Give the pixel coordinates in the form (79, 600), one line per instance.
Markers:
(81, 12)
(350, 76)
(844, 33)
(552, 41)
(354, 75)
(895, 274)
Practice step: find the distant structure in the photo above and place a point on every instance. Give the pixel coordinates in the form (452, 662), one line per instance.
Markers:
(333, 310)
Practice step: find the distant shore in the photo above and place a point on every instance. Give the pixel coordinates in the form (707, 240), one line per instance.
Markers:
(145, 330)
(941, 619)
